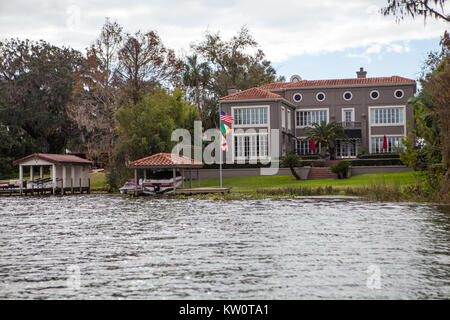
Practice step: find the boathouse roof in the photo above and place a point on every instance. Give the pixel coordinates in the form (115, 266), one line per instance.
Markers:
(165, 160)
(54, 158)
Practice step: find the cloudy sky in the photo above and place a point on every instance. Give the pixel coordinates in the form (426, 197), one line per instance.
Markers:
(314, 39)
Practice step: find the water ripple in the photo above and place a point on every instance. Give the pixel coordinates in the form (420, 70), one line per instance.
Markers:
(199, 249)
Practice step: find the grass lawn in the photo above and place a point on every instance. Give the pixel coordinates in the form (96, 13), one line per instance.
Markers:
(98, 181)
(250, 184)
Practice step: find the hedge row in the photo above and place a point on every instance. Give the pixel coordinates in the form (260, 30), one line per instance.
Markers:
(380, 156)
(310, 157)
(376, 162)
(236, 165)
(311, 163)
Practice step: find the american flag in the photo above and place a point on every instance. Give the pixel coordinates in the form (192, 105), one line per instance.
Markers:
(225, 117)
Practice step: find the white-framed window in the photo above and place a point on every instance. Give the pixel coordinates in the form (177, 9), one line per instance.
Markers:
(374, 94)
(303, 147)
(348, 115)
(305, 118)
(289, 119)
(348, 95)
(283, 117)
(399, 93)
(320, 96)
(250, 116)
(387, 115)
(251, 146)
(392, 144)
(297, 97)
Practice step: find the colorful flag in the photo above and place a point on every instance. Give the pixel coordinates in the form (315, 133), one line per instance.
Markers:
(223, 143)
(225, 129)
(226, 117)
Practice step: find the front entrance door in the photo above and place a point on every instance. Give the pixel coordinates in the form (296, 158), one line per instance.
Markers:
(347, 148)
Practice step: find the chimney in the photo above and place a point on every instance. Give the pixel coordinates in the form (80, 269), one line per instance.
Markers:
(232, 91)
(361, 73)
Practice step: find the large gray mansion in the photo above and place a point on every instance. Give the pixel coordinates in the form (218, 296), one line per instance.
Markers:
(367, 108)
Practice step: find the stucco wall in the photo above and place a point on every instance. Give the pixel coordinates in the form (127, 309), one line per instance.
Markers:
(384, 169)
(249, 172)
(302, 171)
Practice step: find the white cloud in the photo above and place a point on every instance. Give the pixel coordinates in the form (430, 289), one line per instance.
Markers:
(375, 48)
(283, 28)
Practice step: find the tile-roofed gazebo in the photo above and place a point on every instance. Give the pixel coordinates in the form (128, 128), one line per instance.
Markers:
(165, 160)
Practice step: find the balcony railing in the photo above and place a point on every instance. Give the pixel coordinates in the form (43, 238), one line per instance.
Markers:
(350, 124)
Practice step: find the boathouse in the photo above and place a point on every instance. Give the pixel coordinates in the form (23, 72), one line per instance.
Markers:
(68, 173)
(166, 161)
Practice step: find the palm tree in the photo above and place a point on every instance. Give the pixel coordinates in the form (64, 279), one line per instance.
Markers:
(326, 134)
(196, 75)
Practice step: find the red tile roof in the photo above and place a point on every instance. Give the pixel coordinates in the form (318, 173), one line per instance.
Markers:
(264, 91)
(348, 82)
(253, 93)
(166, 160)
(54, 158)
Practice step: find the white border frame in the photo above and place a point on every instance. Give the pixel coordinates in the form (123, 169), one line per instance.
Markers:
(283, 118)
(302, 138)
(324, 96)
(370, 95)
(252, 125)
(351, 95)
(311, 109)
(234, 158)
(381, 136)
(403, 93)
(301, 97)
(343, 114)
(289, 118)
(388, 124)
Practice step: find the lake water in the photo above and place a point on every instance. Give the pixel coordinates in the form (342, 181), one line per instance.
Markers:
(101, 247)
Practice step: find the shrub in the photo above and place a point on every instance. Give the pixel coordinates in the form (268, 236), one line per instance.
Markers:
(312, 163)
(362, 151)
(341, 169)
(291, 160)
(380, 156)
(377, 162)
(311, 157)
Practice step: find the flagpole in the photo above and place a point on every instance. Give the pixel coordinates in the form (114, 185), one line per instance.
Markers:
(220, 148)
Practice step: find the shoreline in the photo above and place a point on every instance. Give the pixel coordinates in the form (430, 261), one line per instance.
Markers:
(247, 196)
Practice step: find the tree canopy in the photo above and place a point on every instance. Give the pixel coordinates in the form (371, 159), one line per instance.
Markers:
(145, 128)
(236, 63)
(36, 83)
(426, 8)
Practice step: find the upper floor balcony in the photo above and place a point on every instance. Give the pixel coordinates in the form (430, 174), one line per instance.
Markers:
(350, 124)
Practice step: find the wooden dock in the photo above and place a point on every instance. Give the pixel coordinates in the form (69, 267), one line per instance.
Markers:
(205, 190)
(186, 191)
(9, 192)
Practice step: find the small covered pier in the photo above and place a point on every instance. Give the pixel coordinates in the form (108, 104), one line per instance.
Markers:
(68, 174)
(178, 165)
